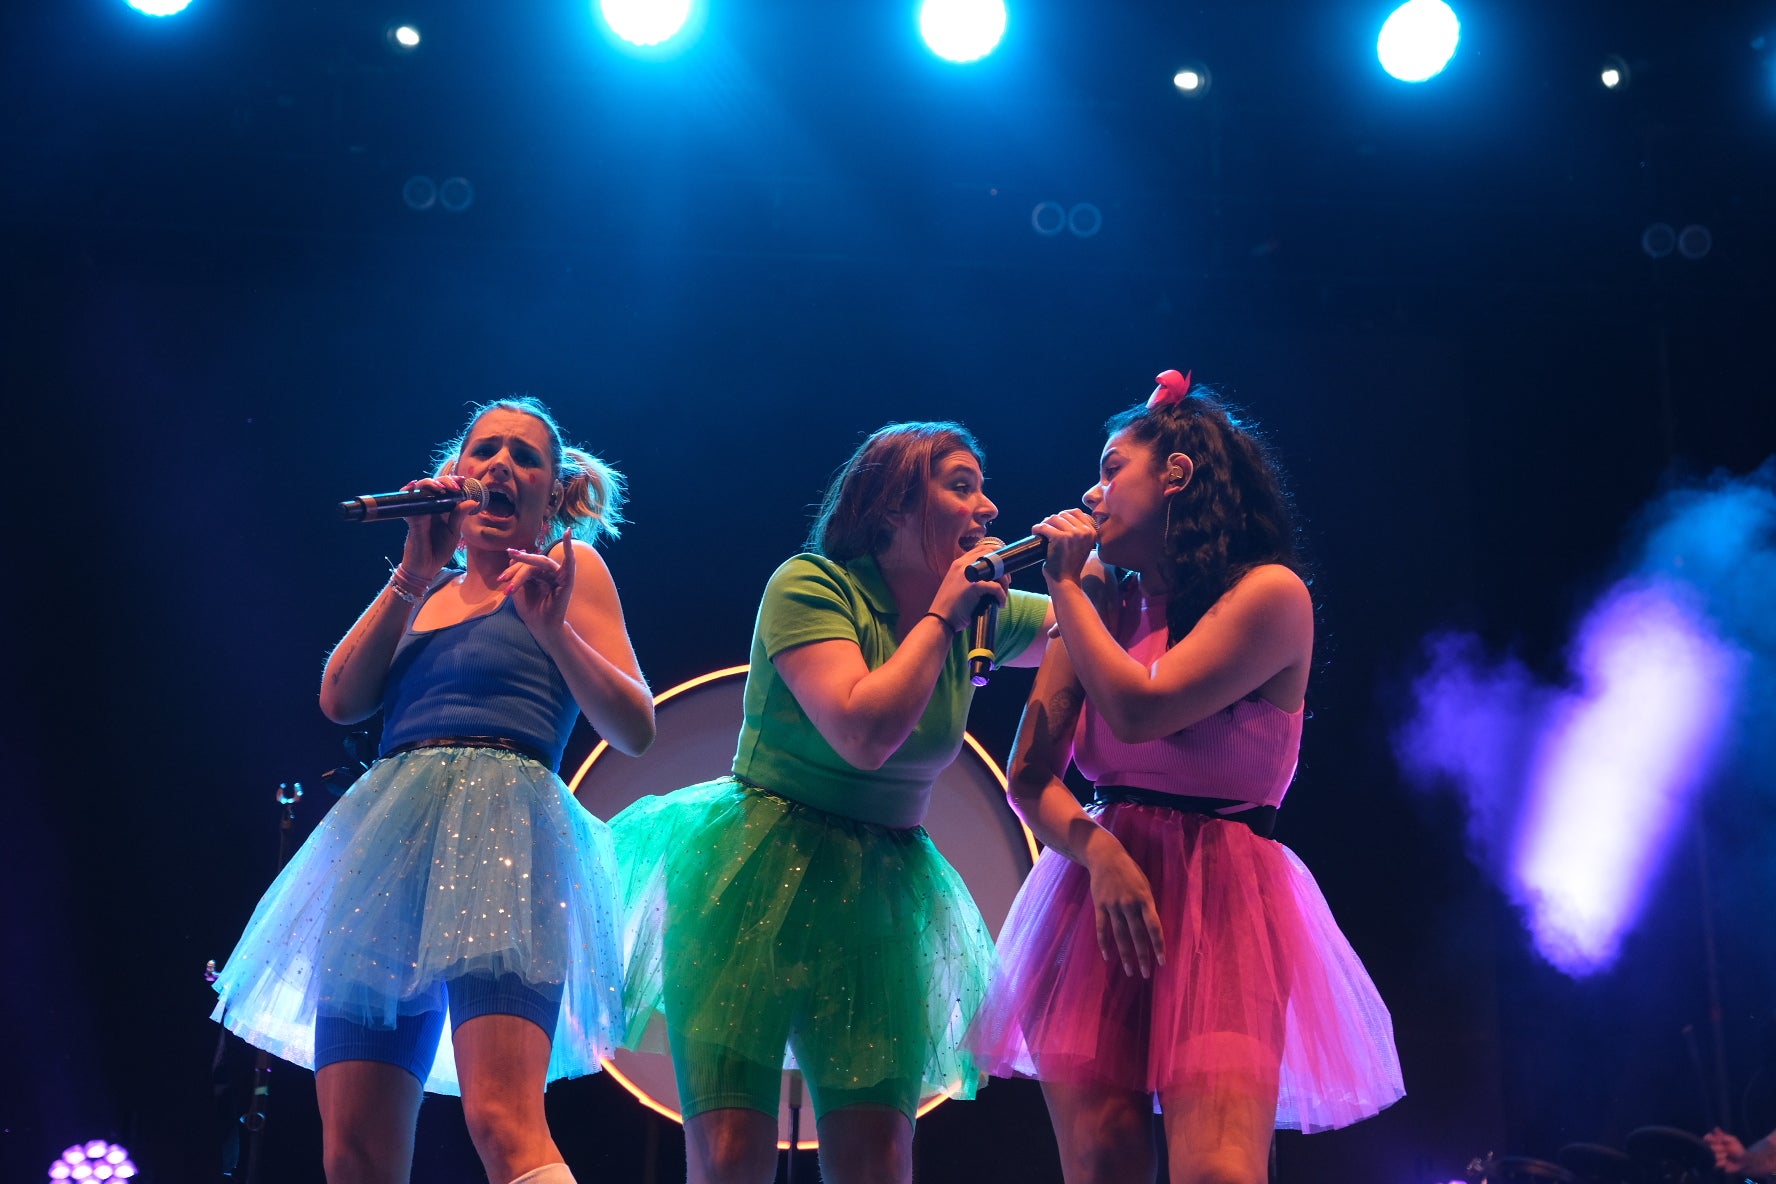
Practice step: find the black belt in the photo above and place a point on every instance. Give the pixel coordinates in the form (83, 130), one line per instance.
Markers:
(1260, 819)
(501, 743)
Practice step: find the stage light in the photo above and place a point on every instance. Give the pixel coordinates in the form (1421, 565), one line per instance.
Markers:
(1658, 240)
(1614, 73)
(1049, 218)
(92, 1160)
(962, 30)
(402, 38)
(160, 7)
(645, 23)
(456, 194)
(1694, 242)
(1192, 81)
(1418, 40)
(420, 192)
(1085, 220)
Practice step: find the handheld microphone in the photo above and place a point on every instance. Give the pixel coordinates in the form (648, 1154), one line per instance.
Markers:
(374, 507)
(983, 643)
(1007, 559)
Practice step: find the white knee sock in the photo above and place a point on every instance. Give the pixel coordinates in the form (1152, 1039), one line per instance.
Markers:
(549, 1173)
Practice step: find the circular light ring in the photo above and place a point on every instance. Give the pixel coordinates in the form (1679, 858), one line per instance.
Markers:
(419, 192)
(1418, 40)
(1085, 220)
(1694, 242)
(1048, 218)
(456, 194)
(633, 1087)
(1658, 240)
(962, 30)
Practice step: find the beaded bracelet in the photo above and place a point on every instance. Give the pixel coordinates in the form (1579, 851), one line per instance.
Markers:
(406, 585)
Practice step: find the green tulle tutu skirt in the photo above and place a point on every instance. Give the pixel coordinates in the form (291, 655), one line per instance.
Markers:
(749, 916)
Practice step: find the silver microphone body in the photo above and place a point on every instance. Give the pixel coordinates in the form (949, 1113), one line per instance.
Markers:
(995, 565)
(418, 503)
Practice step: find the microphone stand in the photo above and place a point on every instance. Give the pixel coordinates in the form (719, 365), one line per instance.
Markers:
(253, 1119)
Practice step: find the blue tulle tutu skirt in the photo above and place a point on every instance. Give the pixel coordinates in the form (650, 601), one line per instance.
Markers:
(435, 864)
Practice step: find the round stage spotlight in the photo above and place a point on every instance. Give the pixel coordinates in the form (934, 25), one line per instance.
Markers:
(1192, 81)
(160, 7)
(1614, 73)
(1049, 218)
(1085, 220)
(420, 192)
(1418, 40)
(962, 30)
(1658, 240)
(456, 194)
(91, 1161)
(648, 24)
(402, 38)
(1694, 242)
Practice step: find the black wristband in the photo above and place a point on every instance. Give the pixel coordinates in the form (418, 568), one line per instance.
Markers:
(941, 619)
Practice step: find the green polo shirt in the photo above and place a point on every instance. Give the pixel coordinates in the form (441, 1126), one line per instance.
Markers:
(812, 598)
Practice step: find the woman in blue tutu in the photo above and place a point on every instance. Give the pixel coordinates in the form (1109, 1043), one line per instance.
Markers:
(799, 902)
(458, 878)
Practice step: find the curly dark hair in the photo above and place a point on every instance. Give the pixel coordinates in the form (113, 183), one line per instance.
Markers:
(1234, 515)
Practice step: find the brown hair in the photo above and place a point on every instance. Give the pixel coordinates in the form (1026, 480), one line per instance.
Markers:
(889, 474)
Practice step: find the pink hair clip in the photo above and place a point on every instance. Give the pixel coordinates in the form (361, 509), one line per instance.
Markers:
(1173, 388)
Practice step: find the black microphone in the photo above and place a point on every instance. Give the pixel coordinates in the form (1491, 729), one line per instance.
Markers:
(983, 642)
(373, 507)
(1007, 559)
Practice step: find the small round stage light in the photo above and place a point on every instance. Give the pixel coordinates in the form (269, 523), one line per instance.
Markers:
(1192, 81)
(456, 194)
(403, 38)
(962, 30)
(160, 7)
(1614, 73)
(1694, 242)
(1418, 40)
(645, 23)
(420, 192)
(1658, 240)
(92, 1160)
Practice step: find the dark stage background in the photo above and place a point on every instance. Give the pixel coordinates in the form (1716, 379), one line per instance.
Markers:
(721, 271)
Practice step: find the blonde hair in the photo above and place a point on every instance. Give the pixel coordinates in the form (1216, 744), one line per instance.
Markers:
(592, 493)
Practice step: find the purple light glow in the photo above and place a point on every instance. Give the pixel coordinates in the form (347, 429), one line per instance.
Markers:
(1619, 763)
(94, 1160)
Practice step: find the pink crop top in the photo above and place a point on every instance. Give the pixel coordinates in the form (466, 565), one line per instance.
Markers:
(1245, 753)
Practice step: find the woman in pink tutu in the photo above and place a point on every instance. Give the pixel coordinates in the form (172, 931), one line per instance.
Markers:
(1164, 944)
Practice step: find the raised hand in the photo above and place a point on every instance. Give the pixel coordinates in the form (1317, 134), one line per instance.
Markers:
(433, 539)
(540, 588)
(1071, 535)
(958, 598)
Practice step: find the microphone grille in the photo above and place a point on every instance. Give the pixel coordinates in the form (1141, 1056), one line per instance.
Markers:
(476, 492)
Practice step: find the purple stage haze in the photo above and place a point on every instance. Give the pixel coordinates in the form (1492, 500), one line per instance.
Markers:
(1574, 792)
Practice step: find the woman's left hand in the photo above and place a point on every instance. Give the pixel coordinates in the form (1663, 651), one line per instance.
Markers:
(540, 588)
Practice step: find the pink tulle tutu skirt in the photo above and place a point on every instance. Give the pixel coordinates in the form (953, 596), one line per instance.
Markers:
(1258, 986)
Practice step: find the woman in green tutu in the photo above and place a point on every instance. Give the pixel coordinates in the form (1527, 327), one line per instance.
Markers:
(798, 903)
